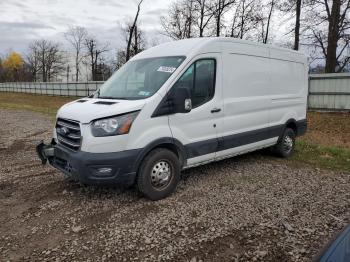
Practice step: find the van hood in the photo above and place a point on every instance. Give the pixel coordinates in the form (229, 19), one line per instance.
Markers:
(87, 109)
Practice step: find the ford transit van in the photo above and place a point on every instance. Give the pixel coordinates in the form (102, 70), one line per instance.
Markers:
(178, 105)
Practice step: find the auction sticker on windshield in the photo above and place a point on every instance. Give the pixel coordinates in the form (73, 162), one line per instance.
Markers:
(166, 69)
(144, 93)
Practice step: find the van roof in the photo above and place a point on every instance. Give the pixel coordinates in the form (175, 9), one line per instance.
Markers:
(193, 46)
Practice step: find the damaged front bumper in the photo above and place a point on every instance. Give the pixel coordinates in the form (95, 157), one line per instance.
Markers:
(117, 168)
(45, 151)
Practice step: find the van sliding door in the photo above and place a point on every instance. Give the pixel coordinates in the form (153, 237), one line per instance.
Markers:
(246, 99)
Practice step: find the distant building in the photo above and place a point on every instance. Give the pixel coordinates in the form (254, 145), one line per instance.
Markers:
(68, 73)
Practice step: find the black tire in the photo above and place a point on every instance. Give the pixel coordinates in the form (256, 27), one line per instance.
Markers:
(152, 174)
(286, 144)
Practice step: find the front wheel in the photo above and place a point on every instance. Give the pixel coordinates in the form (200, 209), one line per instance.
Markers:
(159, 174)
(286, 144)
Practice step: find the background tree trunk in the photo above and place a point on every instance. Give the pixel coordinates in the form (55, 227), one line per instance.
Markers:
(268, 22)
(297, 25)
(333, 37)
(128, 47)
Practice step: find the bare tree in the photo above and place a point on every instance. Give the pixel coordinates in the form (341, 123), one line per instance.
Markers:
(338, 24)
(219, 8)
(191, 17)
(120, 59)
(265, 18)
(32, 60)
(94, 51)
(76, 37)
(181, 20)
(54, 61)
(271, 8)
(244, 18)
(202, 7)
(333, 42)
(131, 31)
(138, 44)
(294, 8)
(297, 24)
(45, 58)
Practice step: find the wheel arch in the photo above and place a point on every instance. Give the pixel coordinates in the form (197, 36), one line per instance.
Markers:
(292, 123)
(169, 143)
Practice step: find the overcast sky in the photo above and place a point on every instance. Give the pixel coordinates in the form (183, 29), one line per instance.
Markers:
(23, 21)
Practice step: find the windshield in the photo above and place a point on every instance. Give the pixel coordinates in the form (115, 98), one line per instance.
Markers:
(139, 79)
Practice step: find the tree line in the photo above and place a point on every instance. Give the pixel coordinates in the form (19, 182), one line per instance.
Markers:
(46, 60)
(320, 27)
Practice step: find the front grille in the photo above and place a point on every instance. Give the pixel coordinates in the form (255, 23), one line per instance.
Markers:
(68, 133)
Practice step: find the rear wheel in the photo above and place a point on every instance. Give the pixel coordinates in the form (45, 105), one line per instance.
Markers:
(286, 144)
(159, 174)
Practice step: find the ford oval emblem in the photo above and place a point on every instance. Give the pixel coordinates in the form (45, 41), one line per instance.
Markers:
(64, 131)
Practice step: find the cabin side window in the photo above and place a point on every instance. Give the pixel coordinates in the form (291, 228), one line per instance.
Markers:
(199, 78)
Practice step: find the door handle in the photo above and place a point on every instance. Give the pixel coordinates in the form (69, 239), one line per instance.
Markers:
(215, 110)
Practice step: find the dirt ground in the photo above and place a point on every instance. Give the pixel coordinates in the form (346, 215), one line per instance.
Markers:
(330, 129)
(242, 209)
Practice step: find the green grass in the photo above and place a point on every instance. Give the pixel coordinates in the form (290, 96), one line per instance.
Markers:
(326, 157)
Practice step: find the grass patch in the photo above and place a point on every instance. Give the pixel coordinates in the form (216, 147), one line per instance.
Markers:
(328, 157)
(37, 103)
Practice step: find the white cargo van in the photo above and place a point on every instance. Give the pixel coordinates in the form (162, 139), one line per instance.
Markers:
(179, 105)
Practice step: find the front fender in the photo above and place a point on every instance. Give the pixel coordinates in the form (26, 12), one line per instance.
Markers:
(165, 142)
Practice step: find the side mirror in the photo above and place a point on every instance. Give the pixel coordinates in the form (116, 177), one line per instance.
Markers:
(178, 100)
(91, 95)
(181, 100)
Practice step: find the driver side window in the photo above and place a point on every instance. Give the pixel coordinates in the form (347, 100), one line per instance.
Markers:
(199, 78)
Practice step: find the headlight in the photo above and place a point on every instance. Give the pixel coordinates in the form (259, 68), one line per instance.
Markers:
(112, 126)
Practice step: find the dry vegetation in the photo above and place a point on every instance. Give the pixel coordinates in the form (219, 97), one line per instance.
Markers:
(37, 103)
(328, 129)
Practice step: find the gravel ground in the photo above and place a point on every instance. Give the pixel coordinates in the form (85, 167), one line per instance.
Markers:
(246, 208)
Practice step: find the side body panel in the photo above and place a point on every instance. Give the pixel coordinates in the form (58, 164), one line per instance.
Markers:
(289, 87)
(246, 97)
